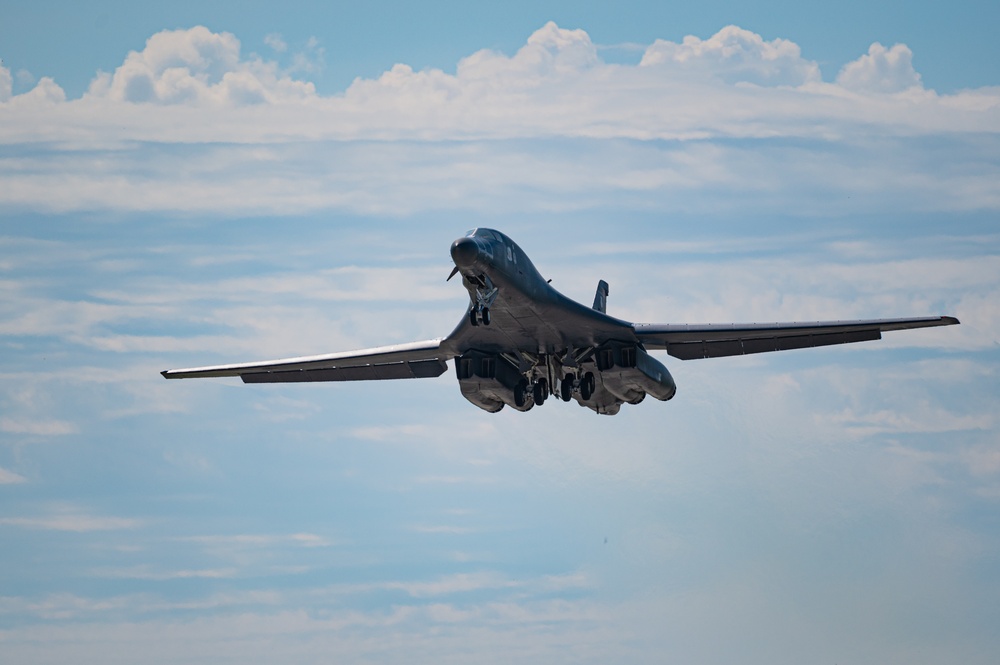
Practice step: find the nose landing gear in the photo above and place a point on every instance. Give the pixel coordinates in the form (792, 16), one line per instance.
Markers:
(479, 315)
(485, 294)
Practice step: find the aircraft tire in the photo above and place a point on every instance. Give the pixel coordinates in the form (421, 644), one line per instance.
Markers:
(540, 391)
(566, 388)
(519, 393)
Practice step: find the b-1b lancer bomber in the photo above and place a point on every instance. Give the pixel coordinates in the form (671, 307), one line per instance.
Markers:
(521, 341)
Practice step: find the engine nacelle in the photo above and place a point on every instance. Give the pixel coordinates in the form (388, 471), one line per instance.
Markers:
(629, 373)
(488, 381)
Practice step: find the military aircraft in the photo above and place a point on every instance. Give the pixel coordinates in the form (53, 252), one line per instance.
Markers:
(522, 341)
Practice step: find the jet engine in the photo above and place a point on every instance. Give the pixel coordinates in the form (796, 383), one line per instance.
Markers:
(629, 373)
(489, 380)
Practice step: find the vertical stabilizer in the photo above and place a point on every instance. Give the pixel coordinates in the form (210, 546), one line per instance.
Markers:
(601, 299)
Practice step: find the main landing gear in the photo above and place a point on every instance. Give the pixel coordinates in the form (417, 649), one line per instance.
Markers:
(587, 384)
(539, 392)
(539, 389)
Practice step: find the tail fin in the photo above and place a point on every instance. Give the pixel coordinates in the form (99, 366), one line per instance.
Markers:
(601, 299)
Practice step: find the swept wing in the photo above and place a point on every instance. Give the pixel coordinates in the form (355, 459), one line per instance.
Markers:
(401, 361)
(715, 340)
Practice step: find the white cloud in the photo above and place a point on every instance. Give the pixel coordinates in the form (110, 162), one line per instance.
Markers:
(148, 573)
(194, 67)
(310, 59)
(735, 55)
(46, 93)
(25, 78)
(555, 85)
(982, 460)
(451, 584)
(276, 42)
(73, 521)
(928, 419)
(6, 84)
(881, 70)
(45, 427)
(550, 52)
(10, 478)
(885, 174)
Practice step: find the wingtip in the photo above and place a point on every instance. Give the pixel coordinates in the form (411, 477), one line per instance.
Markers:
(950, 321)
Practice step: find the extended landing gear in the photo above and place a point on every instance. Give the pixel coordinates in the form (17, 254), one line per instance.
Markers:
(534, 387)
(566, 388)
(541, 391)
(521, 393)
(482, 300)
(477, 316)
(587, 386)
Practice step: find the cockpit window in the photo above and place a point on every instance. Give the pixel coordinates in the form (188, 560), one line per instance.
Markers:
(470, 233)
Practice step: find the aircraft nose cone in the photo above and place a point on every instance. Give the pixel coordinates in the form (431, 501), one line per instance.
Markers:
(465, 252)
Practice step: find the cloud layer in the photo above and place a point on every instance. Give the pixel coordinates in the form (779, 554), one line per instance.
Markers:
(732, 84)
(200, 205)
(190, 124)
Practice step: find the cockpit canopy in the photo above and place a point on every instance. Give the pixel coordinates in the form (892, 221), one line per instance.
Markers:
(486, 234)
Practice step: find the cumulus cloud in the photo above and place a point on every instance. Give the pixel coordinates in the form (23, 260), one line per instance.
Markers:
(45, 92)
(732, 84)
(881, 70)
(549, 51)
(437, 131)
(196, 66)
(736, 55)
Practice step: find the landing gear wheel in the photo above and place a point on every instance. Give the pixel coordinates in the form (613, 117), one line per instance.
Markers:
(566, 388)
(587, 385)
(473, 317)
(486, 316)
(520, 393)
(541, 391)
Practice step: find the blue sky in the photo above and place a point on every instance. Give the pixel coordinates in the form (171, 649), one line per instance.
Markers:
(202, 183)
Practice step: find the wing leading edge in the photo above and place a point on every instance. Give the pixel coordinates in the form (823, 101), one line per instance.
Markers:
(402, 361)
(690, 342)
